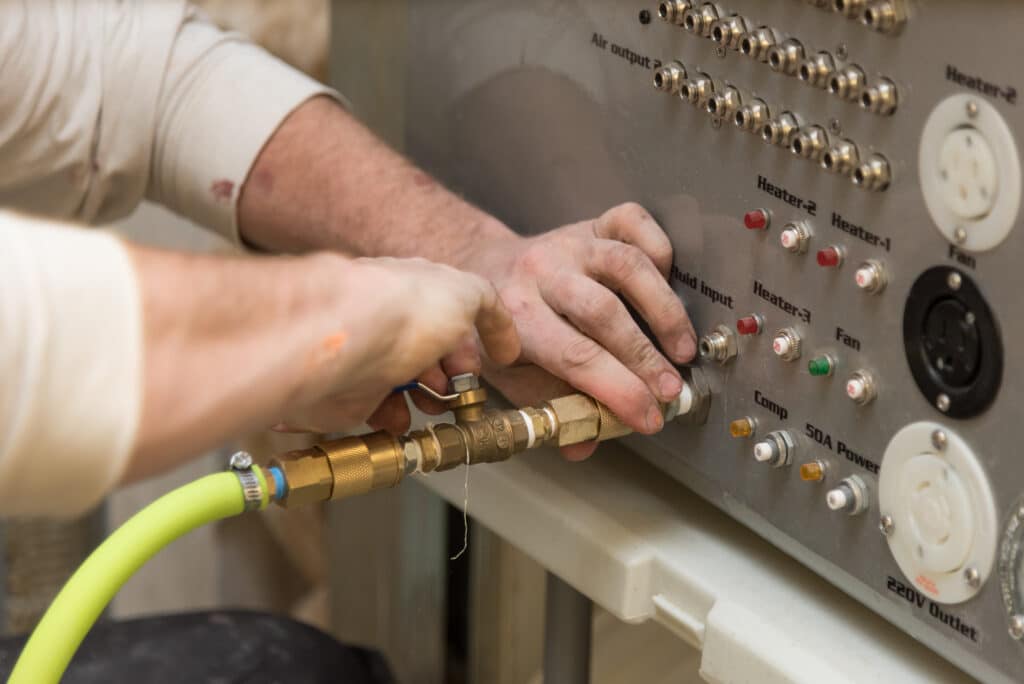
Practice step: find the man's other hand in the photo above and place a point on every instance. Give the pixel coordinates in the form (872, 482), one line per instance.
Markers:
(404, 318)
(563, 289)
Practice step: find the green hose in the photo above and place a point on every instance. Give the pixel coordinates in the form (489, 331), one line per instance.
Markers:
(90, 589)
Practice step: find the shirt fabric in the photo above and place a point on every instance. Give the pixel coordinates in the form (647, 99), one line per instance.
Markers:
(104, 103)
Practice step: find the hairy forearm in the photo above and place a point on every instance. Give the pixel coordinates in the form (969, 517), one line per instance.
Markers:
(227, 341)
(324, 181)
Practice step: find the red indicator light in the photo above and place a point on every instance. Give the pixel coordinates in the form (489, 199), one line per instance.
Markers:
(756, 220)
(748, 325)
(830, 257)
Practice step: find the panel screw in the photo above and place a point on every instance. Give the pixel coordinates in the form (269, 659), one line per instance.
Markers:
(942, 402)
(972, 577)
(886, 525)
(954, 281)
(1017, 626)
(972, 109)
(720, 52)
(645, 17)
(939, 440)
(716, 123)
(240, 460)
(842, 52)
(959, 236)
(834, 127)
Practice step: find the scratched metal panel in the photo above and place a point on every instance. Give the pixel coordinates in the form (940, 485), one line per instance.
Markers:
(543, 113)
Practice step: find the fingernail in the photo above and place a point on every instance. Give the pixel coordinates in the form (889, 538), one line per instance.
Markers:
(669, 386)
(686, 349)
(654, 419)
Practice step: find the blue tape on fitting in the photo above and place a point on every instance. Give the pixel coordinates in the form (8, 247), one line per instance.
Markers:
(280, 486)
(407, 387)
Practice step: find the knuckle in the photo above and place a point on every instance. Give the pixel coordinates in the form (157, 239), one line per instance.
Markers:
(581, 352)
(671, 314)
(624, 261)
(662, 253)
(599, 311)
(633, 209)
(533, 258)
(642, 353)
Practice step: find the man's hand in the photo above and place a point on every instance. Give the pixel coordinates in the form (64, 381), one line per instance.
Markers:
(403, 318)
(317, 342)
(563, 289)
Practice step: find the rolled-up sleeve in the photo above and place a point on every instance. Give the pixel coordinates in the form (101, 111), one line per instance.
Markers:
(106, 102)
(71, 363)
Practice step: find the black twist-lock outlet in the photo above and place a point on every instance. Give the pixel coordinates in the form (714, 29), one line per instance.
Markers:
(952, 342)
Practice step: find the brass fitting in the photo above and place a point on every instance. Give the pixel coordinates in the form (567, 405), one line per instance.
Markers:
(342, 468)
(356, 465)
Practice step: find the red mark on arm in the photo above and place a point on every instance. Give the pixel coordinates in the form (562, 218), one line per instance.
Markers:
(222, 190)
(423, 180)
(326, 351)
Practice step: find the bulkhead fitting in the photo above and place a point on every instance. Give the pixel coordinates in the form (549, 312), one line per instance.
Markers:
(841, 158)
(810, 142)
(817, 69)
(697, 90)
(672, 11)
(851, 9)
(724, 103)
(752, 116)
(847, 83)
(758, 43)
(881, 98)
(780, 130)
(698, 20)
(873, 174)
(669, 77)
(729, 31)
(786, 57)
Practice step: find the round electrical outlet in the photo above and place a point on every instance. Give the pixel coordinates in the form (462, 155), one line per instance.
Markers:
(943, 512)
(970, 172)
(952, 342)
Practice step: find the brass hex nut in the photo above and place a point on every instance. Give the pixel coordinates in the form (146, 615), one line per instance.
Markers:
(579, 419)
(452, 441)
(309, 477)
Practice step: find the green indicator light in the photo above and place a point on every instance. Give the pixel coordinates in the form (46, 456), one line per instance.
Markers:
(819, 366)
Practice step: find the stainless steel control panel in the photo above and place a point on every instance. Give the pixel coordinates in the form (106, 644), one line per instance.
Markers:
(841, 183)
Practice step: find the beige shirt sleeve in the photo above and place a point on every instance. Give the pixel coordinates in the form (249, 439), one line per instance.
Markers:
(71, 363)
(105, 102)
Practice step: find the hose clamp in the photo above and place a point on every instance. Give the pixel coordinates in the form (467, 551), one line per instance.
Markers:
(252, 492)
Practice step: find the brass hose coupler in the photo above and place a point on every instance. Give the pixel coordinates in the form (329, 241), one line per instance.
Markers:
(342, 468)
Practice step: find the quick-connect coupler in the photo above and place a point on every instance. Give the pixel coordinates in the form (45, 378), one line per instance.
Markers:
(359, 464)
